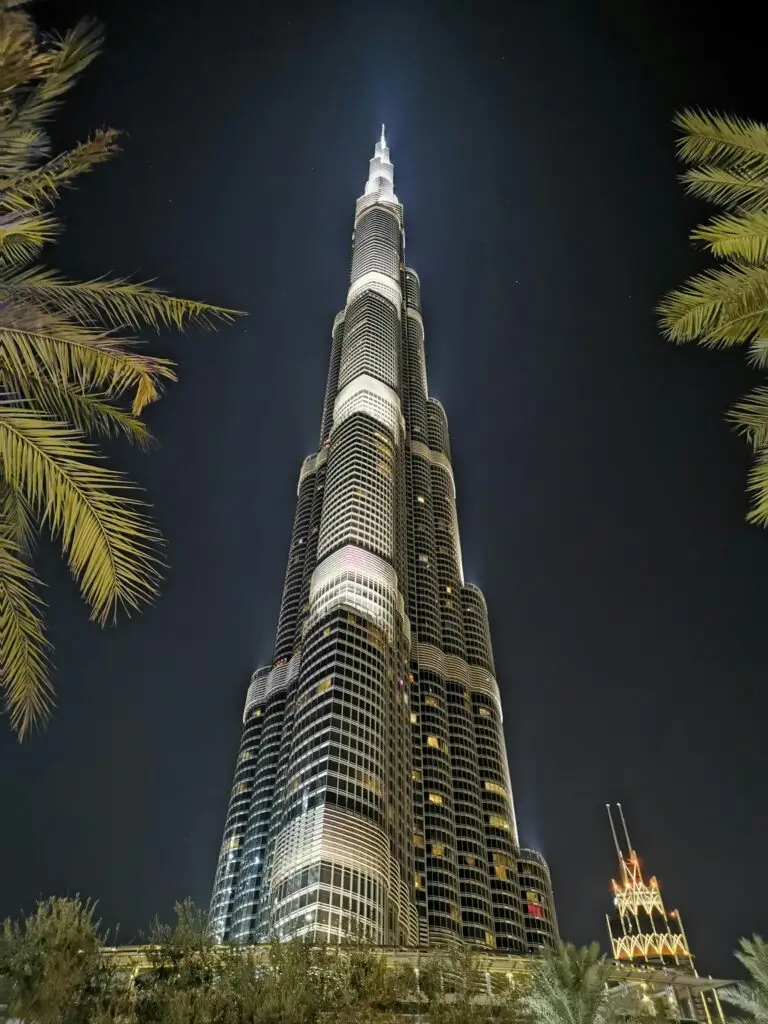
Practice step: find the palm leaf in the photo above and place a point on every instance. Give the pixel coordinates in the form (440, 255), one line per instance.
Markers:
(757, 353)
(94, 359)
(726, 187)
(17, 520)
(24, 659)
(757, 489)
(43, 184)
(736, 237)
(751, 998)
(22, 237)
(20, 60)
(721, 307)
(110, 544)
(20, 148)
(119, 302)
(91, 413)
(750, 416)
(720, 139)
(66, 60)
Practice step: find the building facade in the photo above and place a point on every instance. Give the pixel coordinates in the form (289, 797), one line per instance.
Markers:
(537, 900)
(371, 792)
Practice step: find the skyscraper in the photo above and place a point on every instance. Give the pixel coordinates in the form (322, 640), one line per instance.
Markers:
(372, 790)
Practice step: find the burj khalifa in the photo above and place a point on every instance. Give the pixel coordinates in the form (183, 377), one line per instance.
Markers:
(371, 792)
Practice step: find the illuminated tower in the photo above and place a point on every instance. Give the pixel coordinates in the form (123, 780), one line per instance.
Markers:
(641, 931)
(372, 791)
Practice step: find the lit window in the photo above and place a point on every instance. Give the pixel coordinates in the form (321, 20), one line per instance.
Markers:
(449, 603)
(420, 499)
(414, 718)
(431, 702)
(449, 590)
(435, 798)
(416, 774)
(501, 872)
(494, 787)
(324, 685)
(241, 787)
(496, 821)
(424, 559)
(418, 840)
(432, 741)
(469, 860)
(370, 782)
(438, 849)
(489, 939)
(485, 712)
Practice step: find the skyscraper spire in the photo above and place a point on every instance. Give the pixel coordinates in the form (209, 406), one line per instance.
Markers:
(381, 173)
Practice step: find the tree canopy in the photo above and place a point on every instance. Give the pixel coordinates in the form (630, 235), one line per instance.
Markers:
(727, 305)
(70, 367)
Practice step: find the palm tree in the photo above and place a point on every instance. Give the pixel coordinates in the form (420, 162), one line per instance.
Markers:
(727, 160)
(574, 986)
(751, 997)
(67, 369)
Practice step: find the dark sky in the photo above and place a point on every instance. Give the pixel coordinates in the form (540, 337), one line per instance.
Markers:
(600, 492)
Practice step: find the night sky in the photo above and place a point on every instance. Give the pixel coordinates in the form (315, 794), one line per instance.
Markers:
(600, 492)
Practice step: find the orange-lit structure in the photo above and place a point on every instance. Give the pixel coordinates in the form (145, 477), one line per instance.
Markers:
(643, 933)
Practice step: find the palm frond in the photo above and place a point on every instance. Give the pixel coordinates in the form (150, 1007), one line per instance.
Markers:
(721, 307)
(757, 353)
(67, 58)
(43, 184)
(751, 998)
(17, 519)
(750, 417)
(24, 650)
(728, 188)
(757, 489)
(109, 542)
(739, 237)
(95, 360)
(21, 61)
(724, 140)
(117, 301)
(20, 148)
(90, 412)
(23, 236)
(568, 987)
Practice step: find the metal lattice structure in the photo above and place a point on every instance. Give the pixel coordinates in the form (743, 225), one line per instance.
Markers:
(643, 933)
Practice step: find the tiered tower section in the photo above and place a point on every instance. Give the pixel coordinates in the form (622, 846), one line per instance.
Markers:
(372, 791)
(538, 901)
